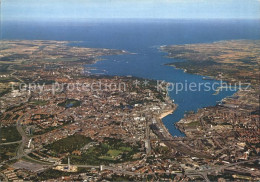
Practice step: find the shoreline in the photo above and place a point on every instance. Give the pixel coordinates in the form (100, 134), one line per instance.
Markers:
(178, 123)
(163, 115)
(166, 113)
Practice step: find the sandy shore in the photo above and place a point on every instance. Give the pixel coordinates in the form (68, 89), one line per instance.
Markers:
(166, 113)
(161, 124)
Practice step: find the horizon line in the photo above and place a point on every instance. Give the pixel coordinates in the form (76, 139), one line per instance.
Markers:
(81, 19)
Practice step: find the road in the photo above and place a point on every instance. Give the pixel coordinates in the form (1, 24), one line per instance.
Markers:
(219, 168)
(122, 171)
(164, 136)
(25, 139)
(10, 143)
(81, 165)
(12, 75)
(20, 152)
(176, 145)
(204, 173)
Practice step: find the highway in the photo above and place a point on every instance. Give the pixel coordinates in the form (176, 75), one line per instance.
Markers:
(81, 165)
(25, 139)
(163, 136)
(190, 173)
(20, 151)
(204, 173)
(10, 143)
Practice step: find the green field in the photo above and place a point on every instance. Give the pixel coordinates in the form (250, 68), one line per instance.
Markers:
(8, 151)
(193, 124)
(9, 134)
(68, 144)
(54, 174)
(38, 102)
(110, 151)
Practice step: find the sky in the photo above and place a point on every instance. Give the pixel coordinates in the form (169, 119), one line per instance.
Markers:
(131, 9)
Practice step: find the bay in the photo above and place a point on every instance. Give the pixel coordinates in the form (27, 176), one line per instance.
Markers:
(144, 37)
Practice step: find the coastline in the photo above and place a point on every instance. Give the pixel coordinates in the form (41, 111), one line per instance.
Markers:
(166, 113)
(205, 75)
(163, 115)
